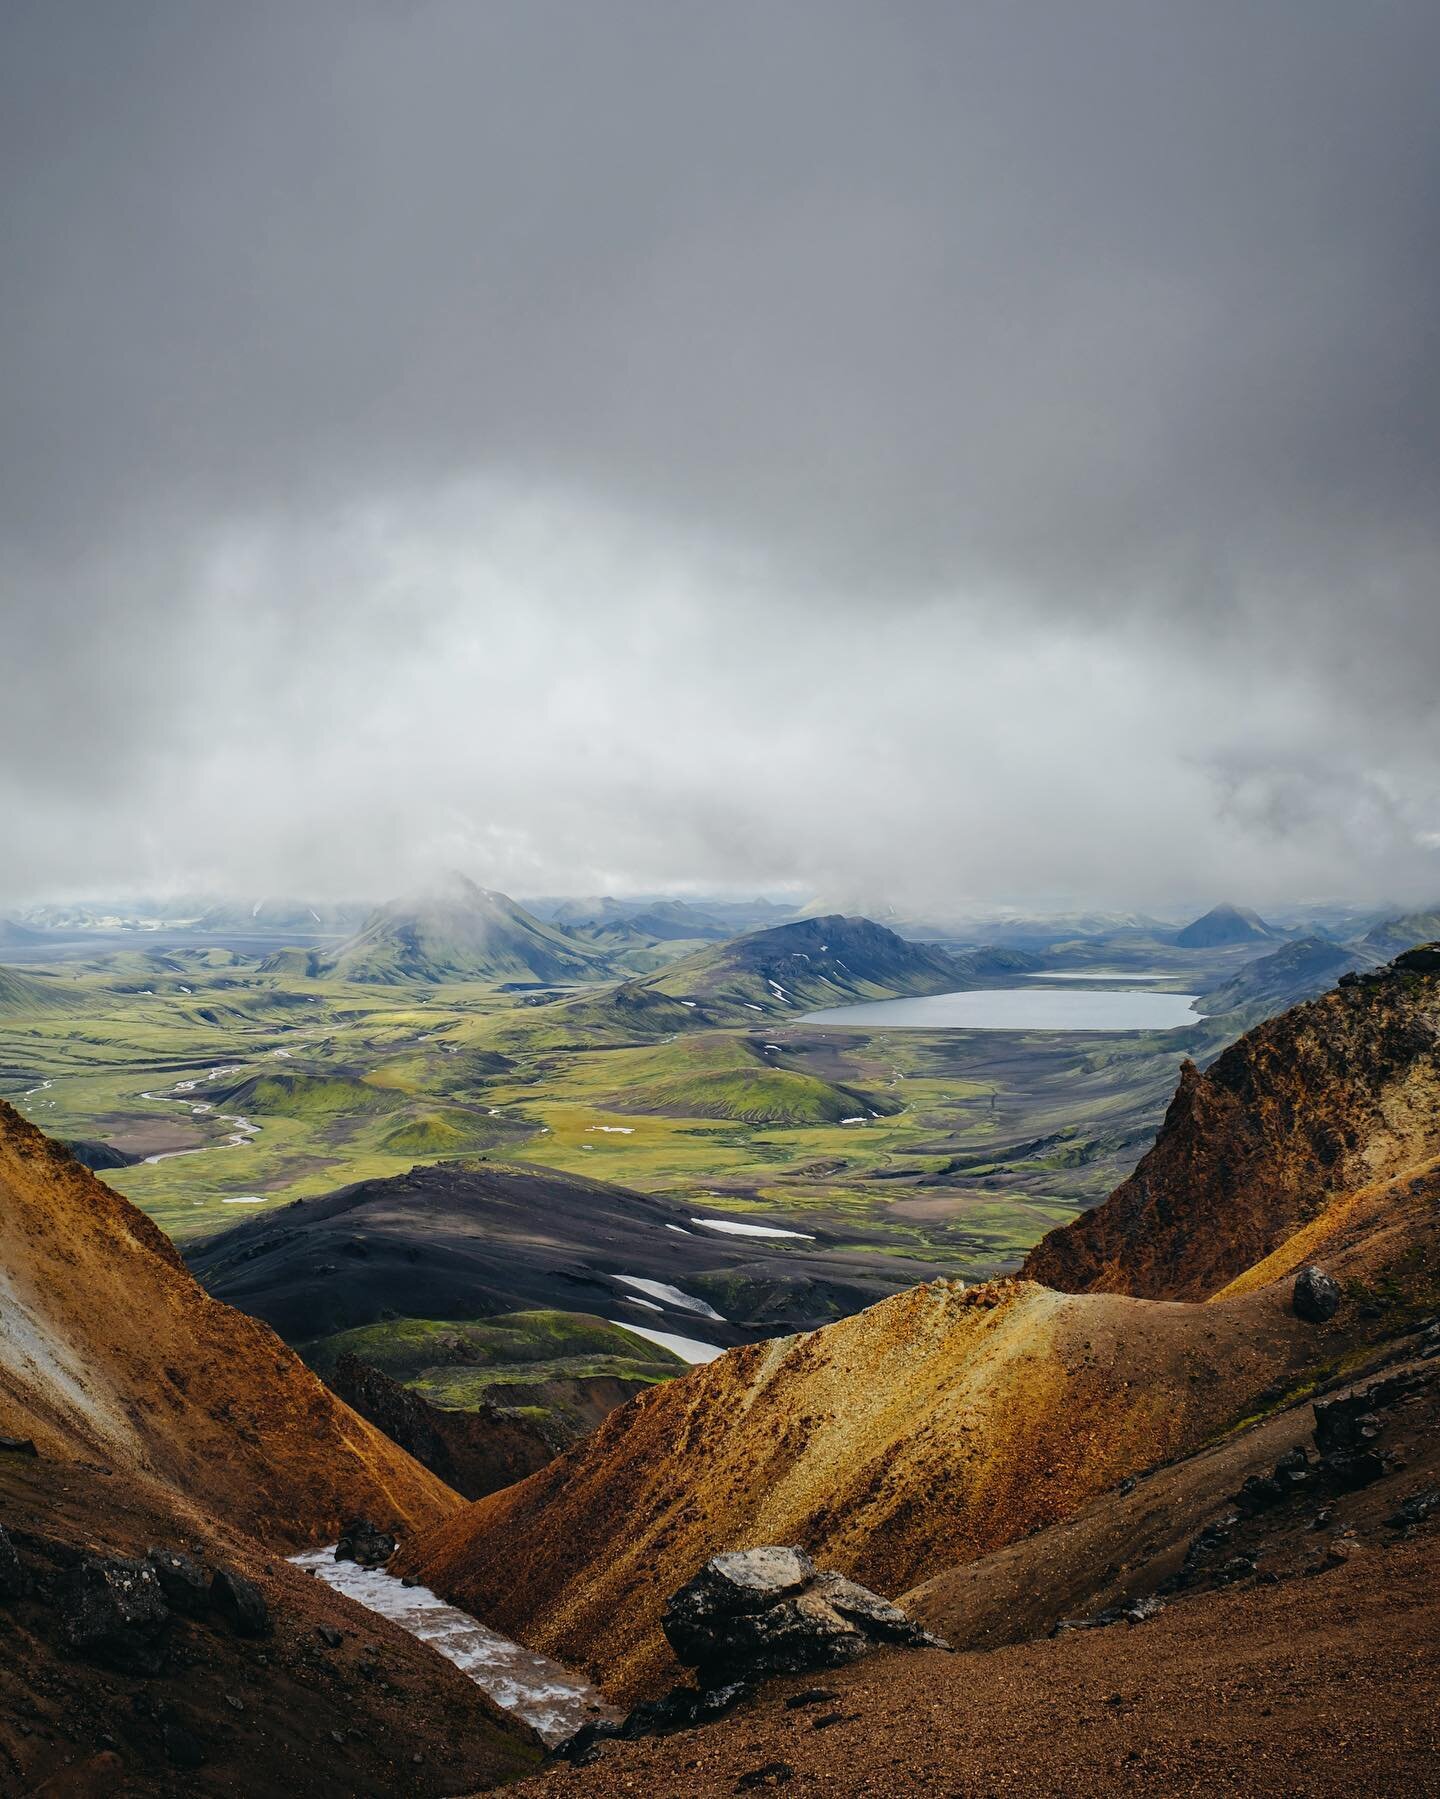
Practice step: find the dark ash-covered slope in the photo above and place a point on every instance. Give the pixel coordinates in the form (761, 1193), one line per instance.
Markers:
(478, 1239)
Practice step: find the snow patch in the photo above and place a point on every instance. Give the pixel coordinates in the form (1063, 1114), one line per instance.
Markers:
(733, 1228)
(671, 1295)
(689, 1349)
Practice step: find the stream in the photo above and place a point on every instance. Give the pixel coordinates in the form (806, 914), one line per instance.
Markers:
(547, 1696)
(183, 1093)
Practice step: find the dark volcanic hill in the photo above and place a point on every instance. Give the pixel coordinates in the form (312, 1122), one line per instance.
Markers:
(1272, 983)
(463, 1240)
(788, 969)
(1224, 924)
(463, 933)
(1322, 1102)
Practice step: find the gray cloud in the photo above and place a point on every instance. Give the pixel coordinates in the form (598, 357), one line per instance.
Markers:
(980, 452)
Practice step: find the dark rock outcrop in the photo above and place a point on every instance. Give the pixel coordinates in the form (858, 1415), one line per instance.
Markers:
(756, 1612)
(748, 1614)
(1417, 1509)
(365, 1543)
(1316, 1297)
(98, 1156)
(114, 1611)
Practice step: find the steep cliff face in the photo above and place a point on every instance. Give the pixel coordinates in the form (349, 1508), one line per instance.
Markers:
(1309, 1108)
(923, 1432)
(110, 1352)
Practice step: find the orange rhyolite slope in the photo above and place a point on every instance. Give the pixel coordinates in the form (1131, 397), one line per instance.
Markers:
(111, 1352)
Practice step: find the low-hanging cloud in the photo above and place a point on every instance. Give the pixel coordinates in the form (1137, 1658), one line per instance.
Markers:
(970, 454)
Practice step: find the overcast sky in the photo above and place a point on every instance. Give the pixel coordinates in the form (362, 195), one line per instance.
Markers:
(953, 453)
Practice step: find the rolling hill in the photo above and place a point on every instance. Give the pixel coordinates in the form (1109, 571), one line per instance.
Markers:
(462, 932)
(1284, 978)
(1394, 935)
(23, 995)
(792, 968)
(930, 1429)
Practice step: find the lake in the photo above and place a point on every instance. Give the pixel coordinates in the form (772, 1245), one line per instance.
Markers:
(1018, 1009)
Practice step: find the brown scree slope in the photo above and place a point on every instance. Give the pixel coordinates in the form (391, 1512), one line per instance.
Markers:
(926, 1431)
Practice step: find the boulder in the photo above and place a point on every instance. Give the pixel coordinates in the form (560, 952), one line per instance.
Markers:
(183, 1581)
(1423, 959)
(241, 1603)
(114, 1611)
(1316, 1297)
(365, 1543)
(749, 1613)
(756, 1612)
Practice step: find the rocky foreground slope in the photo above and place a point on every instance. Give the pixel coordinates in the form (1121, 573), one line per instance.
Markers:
(137, 1413)
(943, 1425)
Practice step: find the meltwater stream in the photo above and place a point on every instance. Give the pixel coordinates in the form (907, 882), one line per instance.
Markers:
(548, 1697)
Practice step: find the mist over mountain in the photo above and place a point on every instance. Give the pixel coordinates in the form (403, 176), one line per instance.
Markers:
(810, 452)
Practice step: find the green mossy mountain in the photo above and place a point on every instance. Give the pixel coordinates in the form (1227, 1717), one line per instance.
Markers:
(463, 932)
(22, 995)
